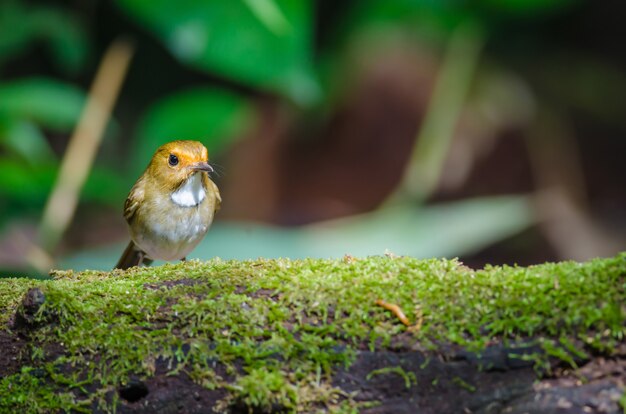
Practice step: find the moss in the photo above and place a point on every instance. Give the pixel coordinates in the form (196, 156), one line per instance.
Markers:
(408, 377)
(273, 331)
(266, 390)
(28, 391)
(11, 292)
(463, 384)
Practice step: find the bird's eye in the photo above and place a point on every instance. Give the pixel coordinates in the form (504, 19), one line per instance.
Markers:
(173, 160)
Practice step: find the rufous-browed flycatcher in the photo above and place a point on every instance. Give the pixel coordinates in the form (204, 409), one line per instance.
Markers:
(171, 206)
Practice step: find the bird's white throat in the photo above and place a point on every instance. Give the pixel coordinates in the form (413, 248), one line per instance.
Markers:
(191, 193)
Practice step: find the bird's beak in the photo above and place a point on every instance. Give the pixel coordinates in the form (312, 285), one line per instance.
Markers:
(201, 166)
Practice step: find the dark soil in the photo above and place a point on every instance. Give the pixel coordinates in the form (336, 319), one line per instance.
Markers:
(168, 394)
(455, 381)
(11, 353)
(461, 386)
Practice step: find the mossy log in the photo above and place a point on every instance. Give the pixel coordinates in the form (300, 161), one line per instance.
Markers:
(374, 335)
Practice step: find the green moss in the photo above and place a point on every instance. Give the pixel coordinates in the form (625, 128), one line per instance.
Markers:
(28, 391)
(408, 377)
(11, 292)
(266, 390)
(272, 331)
(463, 384)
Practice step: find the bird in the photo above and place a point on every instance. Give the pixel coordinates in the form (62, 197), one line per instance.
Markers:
(171, 206)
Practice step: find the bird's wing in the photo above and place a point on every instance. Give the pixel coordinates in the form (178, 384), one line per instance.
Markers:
(134, 200)
(213, 189)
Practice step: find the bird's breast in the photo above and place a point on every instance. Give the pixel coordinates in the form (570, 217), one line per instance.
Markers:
(180, 224)
(169, 230)
(191, 193)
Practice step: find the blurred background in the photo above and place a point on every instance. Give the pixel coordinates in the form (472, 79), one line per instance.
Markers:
(490, 130)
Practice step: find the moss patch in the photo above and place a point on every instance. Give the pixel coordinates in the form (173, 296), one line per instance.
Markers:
(271, 333)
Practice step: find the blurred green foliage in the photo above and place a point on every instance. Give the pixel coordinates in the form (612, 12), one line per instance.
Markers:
(44, 102)
(31, 106)
(212, 116)
(435, 18)
(23, 25)
(262, 45)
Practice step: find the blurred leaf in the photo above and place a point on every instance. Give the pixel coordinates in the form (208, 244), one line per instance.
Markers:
(445, 230)
(528, 6)
(425, 16)
(208, 115)
(435, 19)
(106, 187)
(25, 183)
(21, 25)
(449, 95)
(229, 39)
(270, 15)
(29, 185)
(67, 40)
(15, 29)
(26, 140)
(47, 102)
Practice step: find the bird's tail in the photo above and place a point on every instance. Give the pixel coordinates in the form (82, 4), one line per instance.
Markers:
(132, 256)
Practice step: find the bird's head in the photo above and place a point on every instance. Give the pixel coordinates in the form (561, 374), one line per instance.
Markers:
(175, 162)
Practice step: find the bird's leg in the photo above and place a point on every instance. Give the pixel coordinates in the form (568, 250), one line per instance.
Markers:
(143, 259)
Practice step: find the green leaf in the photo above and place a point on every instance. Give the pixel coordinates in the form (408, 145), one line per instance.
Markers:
(262, 43)
(47, 102)
(106, 187)
(446, 230)
(24, 183)
(26, 140)
(22, 25)
(433, 18)
(208, 115)
(67, 40)
(25, 187)
(270, 15)
(528, 6)
(16, 30)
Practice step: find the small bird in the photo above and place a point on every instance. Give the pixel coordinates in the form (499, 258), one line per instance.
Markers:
(171, 206)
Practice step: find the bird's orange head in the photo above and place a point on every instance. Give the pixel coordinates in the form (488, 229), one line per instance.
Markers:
(173, 163)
